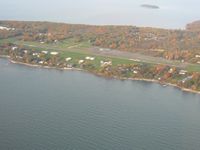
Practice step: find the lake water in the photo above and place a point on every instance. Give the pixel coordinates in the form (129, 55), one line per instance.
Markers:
(172, 13)
(44, 109)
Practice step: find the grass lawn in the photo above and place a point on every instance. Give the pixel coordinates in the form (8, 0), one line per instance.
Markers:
(9, 40)
(60, 45)
(76, 56)
(193, 68)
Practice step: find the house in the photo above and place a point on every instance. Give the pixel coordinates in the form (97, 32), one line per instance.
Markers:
(186, 79)
(136, 60)
(81, 61)
(171, 70)
(14, 48)
(6, 28)
(68, 59)
(197, 56)
(41, 62)
(136, 68)
(182, 72)
(25, 51)
(35, 54)
(89, 58)
(104, 49)
(92, 58)
(54, 53)
(135, 72)
(105, 63)
(45, 52)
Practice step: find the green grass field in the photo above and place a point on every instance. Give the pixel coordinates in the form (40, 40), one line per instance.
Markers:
(60, 45)
(9, 40)
(76, 56)
(193, 68)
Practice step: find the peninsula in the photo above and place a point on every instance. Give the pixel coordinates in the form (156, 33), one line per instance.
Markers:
(124, 52)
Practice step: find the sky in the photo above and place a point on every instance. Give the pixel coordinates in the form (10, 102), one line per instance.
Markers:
(172, 13)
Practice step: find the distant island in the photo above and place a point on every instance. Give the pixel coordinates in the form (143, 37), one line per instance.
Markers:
(194, 26)
(150, 6)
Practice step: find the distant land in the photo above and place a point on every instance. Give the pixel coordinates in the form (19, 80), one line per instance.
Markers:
(166, 56)
(194, 26)
(149, 6)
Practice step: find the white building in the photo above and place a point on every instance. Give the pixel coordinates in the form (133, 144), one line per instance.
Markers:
(89, 58)
(182, 72)
(54, 53)
(136, 60)
(25, 51)
(197, 56)
(68, 59)
(14, 48)
(45, 52)
(92, 58)
(41, 62)
(105, 63)
(135, 72)
(187, 78)
(6, 28)
(81, 61)
(35, 54)
(171, 70)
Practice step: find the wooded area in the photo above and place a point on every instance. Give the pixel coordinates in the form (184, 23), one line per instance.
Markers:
(128, 38)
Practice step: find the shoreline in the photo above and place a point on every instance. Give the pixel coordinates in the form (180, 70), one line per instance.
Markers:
(167, 84)
(101, 75)
(44, 67)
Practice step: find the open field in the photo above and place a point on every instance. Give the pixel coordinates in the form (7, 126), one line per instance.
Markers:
(193, 68)
(65, 44)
